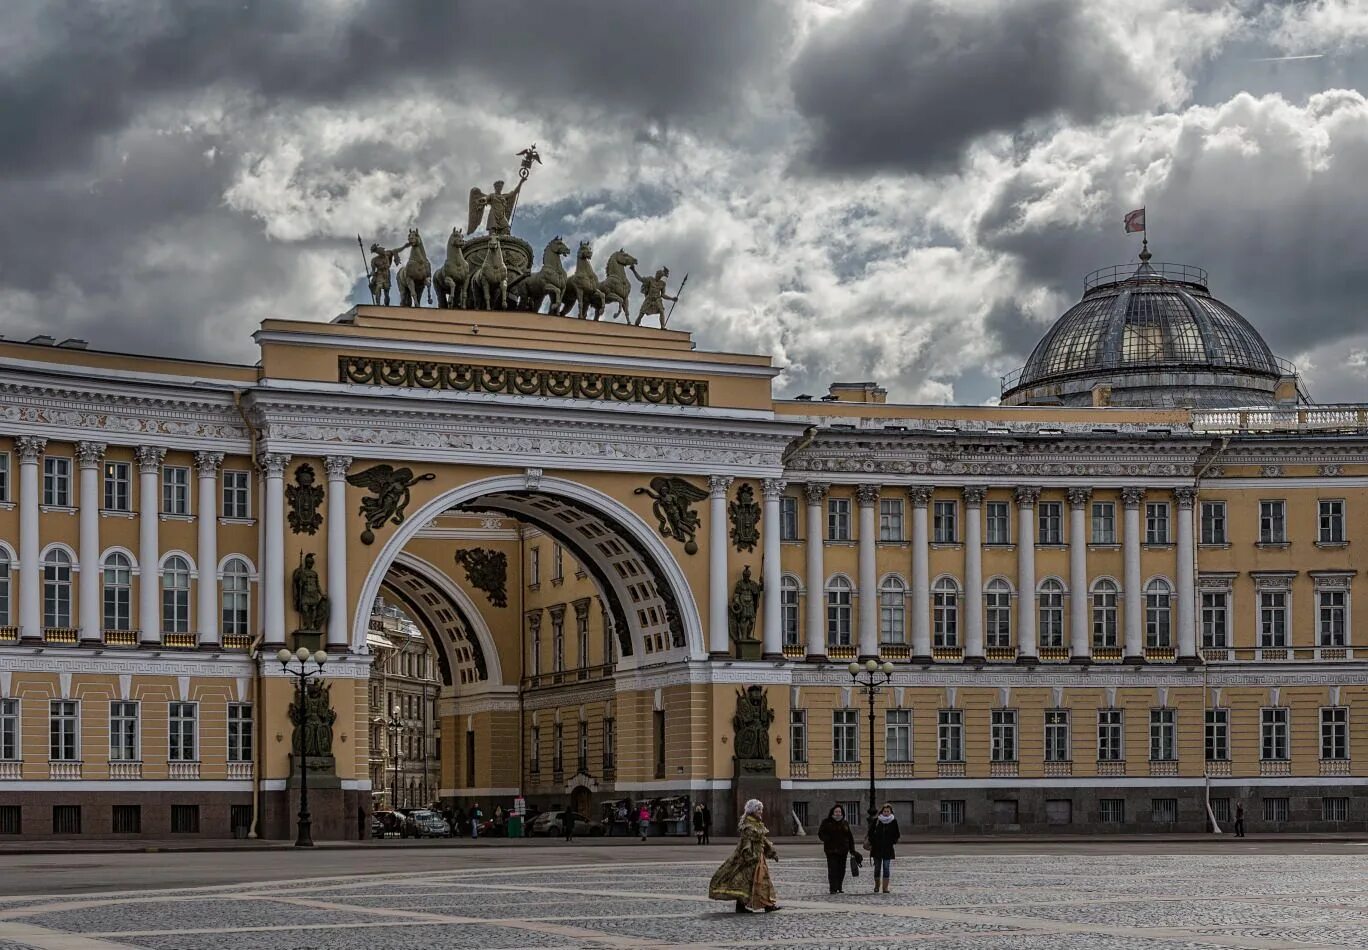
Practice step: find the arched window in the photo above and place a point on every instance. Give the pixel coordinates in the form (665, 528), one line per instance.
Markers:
(997, 601)
(788, 609)
(1104, 613)
(236, 598)
(57, 589)
(838, 595)
(945, 613)
(4, 588)
(1158, 613)
(1051, 601)
(893, 610)
(118, 592)
(176, 595)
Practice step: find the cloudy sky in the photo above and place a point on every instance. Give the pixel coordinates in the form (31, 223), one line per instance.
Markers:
(902, 190)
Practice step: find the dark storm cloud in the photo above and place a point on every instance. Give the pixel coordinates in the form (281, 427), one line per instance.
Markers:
(906, 84)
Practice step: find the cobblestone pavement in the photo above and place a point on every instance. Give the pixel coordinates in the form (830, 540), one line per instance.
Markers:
(972, 901)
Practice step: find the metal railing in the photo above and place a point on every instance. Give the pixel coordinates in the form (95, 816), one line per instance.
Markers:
(1163, 270)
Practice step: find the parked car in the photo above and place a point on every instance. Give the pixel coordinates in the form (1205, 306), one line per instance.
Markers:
(387, 824)
(552, 823)
(428, 824)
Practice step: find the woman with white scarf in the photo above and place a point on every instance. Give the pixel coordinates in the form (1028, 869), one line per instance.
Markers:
(744, 877)
(883, 835)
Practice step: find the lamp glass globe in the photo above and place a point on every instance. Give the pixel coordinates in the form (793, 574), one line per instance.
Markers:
(871, 665)
(284, 656)
(854, 668)
(320, 658)
(302, 653)
(887, 667)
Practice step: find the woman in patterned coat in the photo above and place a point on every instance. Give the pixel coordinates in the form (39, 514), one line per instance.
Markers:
(744, 877)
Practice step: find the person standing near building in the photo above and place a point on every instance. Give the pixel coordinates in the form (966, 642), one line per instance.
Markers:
(707, 825)
(698, 823)
(643, 819)
(475, 816)
(883, 835)
(744, 877)
(837, 842)
(1239, 820)
(568, 823)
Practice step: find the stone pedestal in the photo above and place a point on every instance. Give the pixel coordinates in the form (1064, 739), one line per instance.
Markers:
(747, 649)
(756, 784)
(310, 639)
(338, 814)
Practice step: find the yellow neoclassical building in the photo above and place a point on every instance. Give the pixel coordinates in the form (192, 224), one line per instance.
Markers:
(1124, 593)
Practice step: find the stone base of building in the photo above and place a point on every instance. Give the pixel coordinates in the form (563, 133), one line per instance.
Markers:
(125, 814)
(338, 814)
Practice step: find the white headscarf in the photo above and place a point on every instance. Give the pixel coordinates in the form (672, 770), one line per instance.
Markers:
(753, 806)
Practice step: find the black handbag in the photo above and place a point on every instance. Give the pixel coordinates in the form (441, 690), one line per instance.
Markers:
(855, 862)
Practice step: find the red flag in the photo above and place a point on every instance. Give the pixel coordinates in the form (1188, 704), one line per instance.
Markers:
(1135, 221)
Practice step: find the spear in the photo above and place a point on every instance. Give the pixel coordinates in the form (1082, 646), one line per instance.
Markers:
(370, 281)
(666, 321)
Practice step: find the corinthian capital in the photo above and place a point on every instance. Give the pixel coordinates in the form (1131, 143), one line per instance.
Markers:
(150, 457)
(1027, 496)
(1078, 497)
(867, 496)
(974, 495)
(718, 485)
(89, 454)
(1132, 496)
(336, 466)
(920, 495)
(1185, 496)
(208, 463)
(773, 487)
(273, 464)
(814, 492)
(29, 447)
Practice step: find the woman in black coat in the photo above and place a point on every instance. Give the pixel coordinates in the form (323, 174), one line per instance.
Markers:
(883, 835)
(837, 842)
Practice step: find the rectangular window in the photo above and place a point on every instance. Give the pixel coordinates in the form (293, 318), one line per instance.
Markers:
(1275, 809)
(838, 519)
(557, 563)
(997, 516)
(800, 812)
(534, 567)
(534, 644)
(1331, 610)
(66, 819)
(9, 729)
(1057, 736)
(582, 749)
(658, 721)
(175, 490)
(609, 744)
(943, 527)
(182, 732)
(1334, 809)
(1051, 614)
(557, 749)
(1157, 522)
(898, 736)
(1218, 735)
(1164, 810)
(845, 735)
(237, 494)
(1272, 618)
(1331, 522)
(185, 819)
(11, 819)
(1220, 809)
(582, 636)
(890, 519)
(57, 481)
(1163, 741)
(126, 820)
(1272, 522)
(1111, 745)
(123, 732)
(1050, 515)
(1273, 734)
(1215, 618)
(788, 611)
(534, 751)
(1003, 735)
(788, 518)
(1112, 811)
(557, 643)
(239, 732)
(1334, 733)
(798, 735)
(950, 735)
(1103, 522)
(64, 729)
(4, 476)
(1213, 522)
(117, 490)
(952, 811)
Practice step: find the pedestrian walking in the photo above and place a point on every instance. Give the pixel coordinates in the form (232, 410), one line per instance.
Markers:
(644, 819)
(698, 823)
(1239, 820)
(568, 823)
(707, 825)
(458, 821)
(475, 816)
(883, 835)
(744, 877)
(839, 843)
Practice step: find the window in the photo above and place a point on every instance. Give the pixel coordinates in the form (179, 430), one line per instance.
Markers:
(123, 731)
(838, 519)
(609, 744)
(582, 635)
(1104, 522)
(950, 735)
(1334, 733)
(57, 481)
(1163, 743)
(893, 610)
(1215, 618)
(788, 609)
(997, 603)
(658, 722)
(9, 729)
(66, 819)
(943, 529)
(1057, 736)
(1331, 522)
(1272, 618)
(239, 732)
(557, 642)
(1157, 522)
(4, 588)
(800, 812)
(1051, 620)
(1163, 810)
(1110, 740)
(64, 729)
(1213, 522)
(1218, 735)
(838, 611)
(845, 735)
(898, 735)
(998, 520)
(117, 493)
(557, 563)
(534, 567)
(1112, 811)
(534, 751)
(1334, 809)
(1273, 733)
(237, 495)
(798, 735)
(1331, 607)
(1275, 809)
(1003, 735)
(890, 519)
(1220, 809)
(185, 819)
(181, 737)
(176, 595)
(557, 749)
(175, 490)
(788, 518)
(236, 598)
(1272, 522)
(945, 613)
(1050, 515)
(534, 646)
(4, 476)
(1104, 613)
(11, 819)
(582, 749)
(118, 592)
(952, 811)
(57, 589)
(1158, 614)
(126, 819)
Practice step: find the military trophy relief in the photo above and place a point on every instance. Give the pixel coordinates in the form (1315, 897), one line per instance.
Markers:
(493, 270)
(310, 604)
(305, 497)
(751, 726)
(313, 718)
(672, 501)
(744, 512)
(390, 487)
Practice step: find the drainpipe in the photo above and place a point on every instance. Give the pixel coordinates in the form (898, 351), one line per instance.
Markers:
(258, 727)
(1217, 447)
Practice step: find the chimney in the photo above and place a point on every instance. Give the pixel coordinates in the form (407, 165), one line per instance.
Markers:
(858, 392)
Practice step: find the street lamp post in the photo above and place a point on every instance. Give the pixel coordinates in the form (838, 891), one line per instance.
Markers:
(395, 725)
(871, 676)
(302, 675)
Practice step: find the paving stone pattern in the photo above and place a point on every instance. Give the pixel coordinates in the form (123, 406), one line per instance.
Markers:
(974, 901)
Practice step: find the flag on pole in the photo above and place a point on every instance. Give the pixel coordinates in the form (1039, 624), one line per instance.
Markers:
(1135, 221)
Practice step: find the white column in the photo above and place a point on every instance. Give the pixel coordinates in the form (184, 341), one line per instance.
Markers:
(973, 572)
(771, 630)
(149, 552)
(1132, 498)
(1028, 642)
(1080, 603)
(814, 493)
(339, 615)
(867, 497)
(273, 569)
(718, 641)
(29, 449)
(207, 599)
(1187, 585)
(920, 496)
(88, 600)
